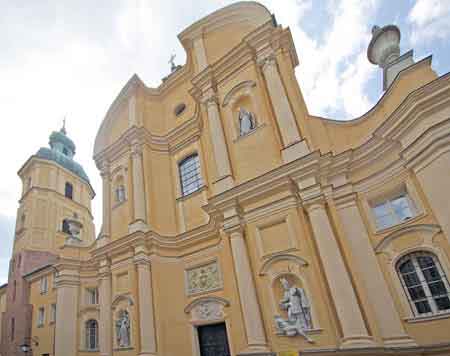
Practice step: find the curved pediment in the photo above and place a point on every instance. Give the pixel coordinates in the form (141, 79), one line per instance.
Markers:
(122, 298)
(429, 230)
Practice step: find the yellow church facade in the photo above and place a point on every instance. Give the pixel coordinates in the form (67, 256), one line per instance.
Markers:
(236, 223)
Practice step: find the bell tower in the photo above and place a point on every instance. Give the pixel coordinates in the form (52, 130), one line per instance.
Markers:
(55, 207)
(54, 211)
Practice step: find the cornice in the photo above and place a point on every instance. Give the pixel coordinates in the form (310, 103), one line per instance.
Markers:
(420, 102)
(263, 42)
(159, 244)
(428, 146)
(175, 139)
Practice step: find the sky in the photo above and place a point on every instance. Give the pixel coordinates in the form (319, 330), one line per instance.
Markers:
(72, 57)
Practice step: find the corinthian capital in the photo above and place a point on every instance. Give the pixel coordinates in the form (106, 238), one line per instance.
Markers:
(136, 149)
(210, 100)
(268, 62)
(105, 169)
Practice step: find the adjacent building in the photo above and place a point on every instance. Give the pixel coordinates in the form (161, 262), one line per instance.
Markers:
(236, 223)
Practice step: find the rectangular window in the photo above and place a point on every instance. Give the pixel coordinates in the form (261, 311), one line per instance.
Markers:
(41, 317)
(394, 210)
(53, 314)
(92, 295)
(44, 285)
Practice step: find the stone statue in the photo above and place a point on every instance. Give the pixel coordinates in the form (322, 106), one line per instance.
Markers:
(123, 330)
(246, 121)
(298, 309)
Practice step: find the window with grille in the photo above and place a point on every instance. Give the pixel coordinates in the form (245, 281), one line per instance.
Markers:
(41, 317)
(425, 283)
(91, 335)
(190, 175)
(393, 211)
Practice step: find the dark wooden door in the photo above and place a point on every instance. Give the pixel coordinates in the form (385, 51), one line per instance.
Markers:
(213, 340)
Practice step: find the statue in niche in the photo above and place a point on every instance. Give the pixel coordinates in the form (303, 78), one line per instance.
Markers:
(123, 329)
(298, 309)
(247, 121)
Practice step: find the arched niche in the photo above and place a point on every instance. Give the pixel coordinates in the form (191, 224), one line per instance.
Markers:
(121, 305)
(242, 101)
(292, 268)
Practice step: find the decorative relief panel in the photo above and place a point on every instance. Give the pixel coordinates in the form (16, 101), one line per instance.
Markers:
(207, 311)
(203, 278)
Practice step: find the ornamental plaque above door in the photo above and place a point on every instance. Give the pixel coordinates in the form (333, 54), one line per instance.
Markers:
(204, 278)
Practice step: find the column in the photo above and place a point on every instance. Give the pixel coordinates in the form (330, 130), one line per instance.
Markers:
(224, 178)
(146, 314)
(106, 180)
(293, 146)
(140, 218)
(254, 327)
(366, 263)
(354, 330)
(66, 341)
(105, 322)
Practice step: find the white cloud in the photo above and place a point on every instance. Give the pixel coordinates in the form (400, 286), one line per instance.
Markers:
(333, 72)
(430, 19)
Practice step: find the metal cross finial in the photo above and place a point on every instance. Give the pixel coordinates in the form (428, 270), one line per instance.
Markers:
(172, 62)
(63, 129)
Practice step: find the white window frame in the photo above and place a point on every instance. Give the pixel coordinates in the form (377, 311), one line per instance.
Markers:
(41, 317)
(87, 336)
(44, 285)
(92, 296)
(404, 186)
(53, 313)
(120, 194)
(423, 283)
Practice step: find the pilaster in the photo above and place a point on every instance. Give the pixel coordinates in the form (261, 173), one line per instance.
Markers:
(105, 300)
(355, 333)
(293, 145)
(253, 322)
(66, 342)
(224, 179)
(148, 345)
(106, 184)
(139, 222)
(366, 263)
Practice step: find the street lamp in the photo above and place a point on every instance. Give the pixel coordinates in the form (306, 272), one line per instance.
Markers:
(25, 348)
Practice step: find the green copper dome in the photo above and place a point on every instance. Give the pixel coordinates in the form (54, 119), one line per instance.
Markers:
(60, 138)
(61, 151)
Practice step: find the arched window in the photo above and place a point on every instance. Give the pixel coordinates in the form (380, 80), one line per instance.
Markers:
(65, 227)
(91, 335)
(68, 192)
(190, 175)
(425, 283)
